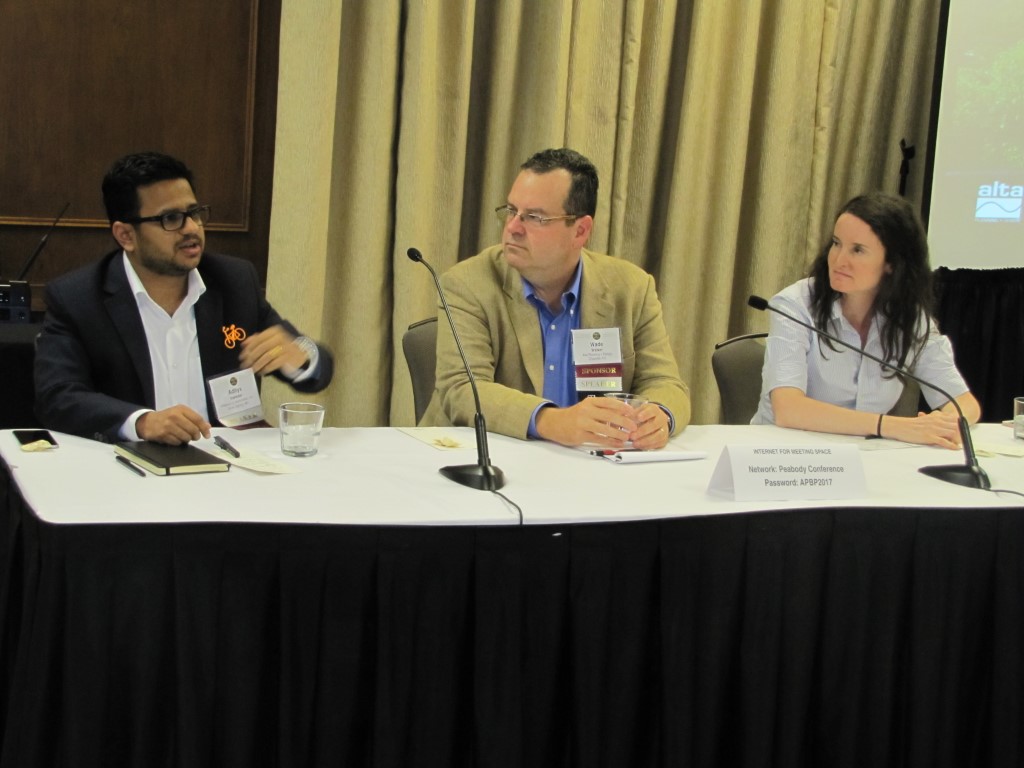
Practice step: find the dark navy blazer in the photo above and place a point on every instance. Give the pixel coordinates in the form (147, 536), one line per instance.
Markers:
(92, 366)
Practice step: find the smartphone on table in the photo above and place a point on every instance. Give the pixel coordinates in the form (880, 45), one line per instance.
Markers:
(26, 436)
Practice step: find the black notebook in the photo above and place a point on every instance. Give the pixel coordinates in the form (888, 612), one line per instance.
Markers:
(163, 459)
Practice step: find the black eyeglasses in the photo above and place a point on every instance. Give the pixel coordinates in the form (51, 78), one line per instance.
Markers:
(531, 220)
(172, 221)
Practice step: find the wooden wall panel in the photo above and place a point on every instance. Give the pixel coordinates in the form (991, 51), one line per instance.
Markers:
(82, 83)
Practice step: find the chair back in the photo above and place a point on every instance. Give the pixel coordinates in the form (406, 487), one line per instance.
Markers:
(737, 364)
(910, 401)
(419, 343)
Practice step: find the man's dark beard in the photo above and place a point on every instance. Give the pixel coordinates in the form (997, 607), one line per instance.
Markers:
(160, 267)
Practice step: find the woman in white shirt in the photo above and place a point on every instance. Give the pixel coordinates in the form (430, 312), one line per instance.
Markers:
(871, 287)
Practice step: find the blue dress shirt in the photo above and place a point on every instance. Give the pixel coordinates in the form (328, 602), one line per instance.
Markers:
(556, 334)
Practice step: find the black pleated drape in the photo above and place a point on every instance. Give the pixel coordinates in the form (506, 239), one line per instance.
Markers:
(843, 638)
(982, 312)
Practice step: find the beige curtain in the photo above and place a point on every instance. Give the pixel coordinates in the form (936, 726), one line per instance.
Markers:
(726, 132)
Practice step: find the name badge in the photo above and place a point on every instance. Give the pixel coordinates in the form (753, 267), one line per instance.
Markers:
(597, 356)
(236, 398)
(788, 473)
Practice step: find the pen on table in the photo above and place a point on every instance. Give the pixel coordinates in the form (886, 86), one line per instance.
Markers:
(124, 462)
(220, 441)
(610, 451)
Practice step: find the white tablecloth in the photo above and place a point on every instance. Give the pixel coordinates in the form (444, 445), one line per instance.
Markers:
(389, 477)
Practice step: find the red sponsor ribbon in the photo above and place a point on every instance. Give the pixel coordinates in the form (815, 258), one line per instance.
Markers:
(602, 370)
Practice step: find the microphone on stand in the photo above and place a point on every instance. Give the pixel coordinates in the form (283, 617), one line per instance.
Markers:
(42, 244)
(16, 295)
(483, 476)
(969, 474)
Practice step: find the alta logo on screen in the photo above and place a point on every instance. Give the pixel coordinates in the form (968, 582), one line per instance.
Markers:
(998, 202)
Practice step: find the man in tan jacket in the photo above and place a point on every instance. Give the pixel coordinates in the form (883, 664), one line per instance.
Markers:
(516, 304)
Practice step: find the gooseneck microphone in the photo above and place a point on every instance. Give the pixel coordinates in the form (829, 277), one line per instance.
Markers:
(16, 294)
(42, 244)
(970, 474)
(483, 476)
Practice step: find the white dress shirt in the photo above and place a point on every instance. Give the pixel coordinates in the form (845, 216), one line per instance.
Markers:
(794, 358)
(173, 349)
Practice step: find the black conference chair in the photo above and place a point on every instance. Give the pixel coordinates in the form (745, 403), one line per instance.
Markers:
(737, 364)
(17, 387)
(419, 343)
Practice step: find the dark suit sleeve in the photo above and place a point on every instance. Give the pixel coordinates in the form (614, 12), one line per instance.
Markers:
(320, 378)
(269, 317)
(325, 365)
(70, 396)
(235, 297)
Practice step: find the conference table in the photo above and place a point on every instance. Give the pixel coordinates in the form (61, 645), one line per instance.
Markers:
(362, 610)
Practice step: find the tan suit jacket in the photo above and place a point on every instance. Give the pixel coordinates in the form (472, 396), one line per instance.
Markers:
(501, 335)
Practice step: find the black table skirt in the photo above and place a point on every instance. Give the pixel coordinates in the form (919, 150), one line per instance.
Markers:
(857, 637)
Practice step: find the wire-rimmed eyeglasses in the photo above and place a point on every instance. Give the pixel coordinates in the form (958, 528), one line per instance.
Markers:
(172, 221)
(506, 212)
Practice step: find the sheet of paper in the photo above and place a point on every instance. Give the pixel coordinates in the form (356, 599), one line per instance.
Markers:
(254, 461)
(999, 449)
(442, 438)
(645, 457)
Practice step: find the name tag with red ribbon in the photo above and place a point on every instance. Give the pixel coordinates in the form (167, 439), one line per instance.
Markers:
(597, 357)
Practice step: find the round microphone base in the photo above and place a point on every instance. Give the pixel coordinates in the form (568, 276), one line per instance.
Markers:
(961, 474)
(481, 477)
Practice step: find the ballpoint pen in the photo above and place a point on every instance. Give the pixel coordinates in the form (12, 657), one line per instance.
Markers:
(225, 445)
(124, 462)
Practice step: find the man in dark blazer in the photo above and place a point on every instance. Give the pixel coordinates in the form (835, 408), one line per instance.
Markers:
(129, 341)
